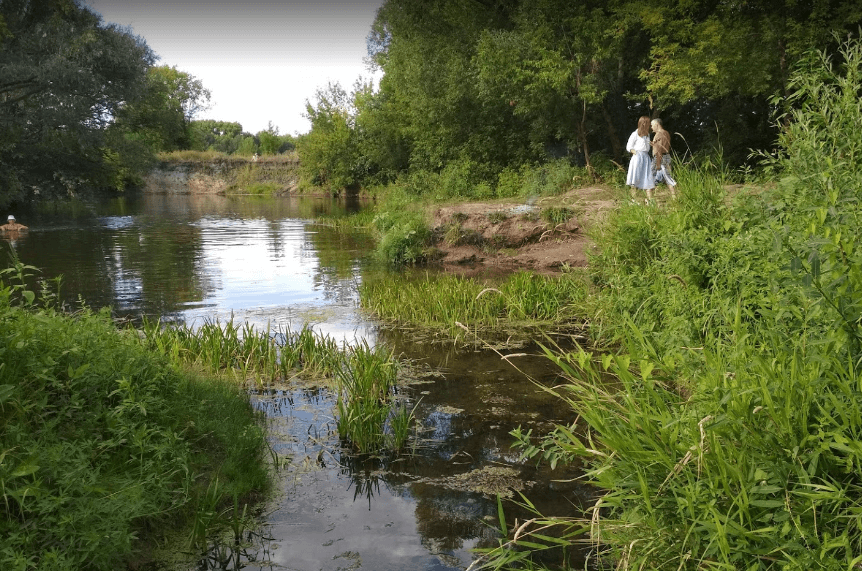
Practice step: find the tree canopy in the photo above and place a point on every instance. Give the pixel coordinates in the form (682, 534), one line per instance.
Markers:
(162, 116)
(496, 84)
(64, 75)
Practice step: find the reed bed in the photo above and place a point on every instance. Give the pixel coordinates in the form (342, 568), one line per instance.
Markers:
(262, 356)
(370, 418)
(444, 301)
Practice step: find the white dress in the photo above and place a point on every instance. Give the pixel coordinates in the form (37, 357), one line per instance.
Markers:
(640, 173)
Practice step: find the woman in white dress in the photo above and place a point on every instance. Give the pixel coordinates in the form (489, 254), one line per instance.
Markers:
(640, 175)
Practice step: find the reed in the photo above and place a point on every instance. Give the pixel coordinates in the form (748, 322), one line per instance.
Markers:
(262, 356)
(366, 384)
(524, 299)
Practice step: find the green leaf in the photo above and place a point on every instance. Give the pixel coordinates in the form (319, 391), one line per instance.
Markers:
(502, 516)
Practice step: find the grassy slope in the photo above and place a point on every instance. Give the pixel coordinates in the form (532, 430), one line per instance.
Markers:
(102, 443)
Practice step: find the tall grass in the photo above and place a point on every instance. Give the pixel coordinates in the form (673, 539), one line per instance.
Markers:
(443, 301)
(366, 384)
(364, 378)
(104, 444)
(261, 356)
(730, 436)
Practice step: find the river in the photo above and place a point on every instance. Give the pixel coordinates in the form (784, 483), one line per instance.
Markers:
(192, 258)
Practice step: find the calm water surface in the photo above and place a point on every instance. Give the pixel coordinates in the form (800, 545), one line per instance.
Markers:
(262, 261)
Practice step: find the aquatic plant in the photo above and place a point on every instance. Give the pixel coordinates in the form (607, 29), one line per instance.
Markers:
(252, 355)
(443, 301)
(366, 384)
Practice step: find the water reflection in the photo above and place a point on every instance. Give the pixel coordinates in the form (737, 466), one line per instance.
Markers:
(197, 257)
(430, 509)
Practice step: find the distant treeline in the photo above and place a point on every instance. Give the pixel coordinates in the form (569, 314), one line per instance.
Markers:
(84, 108)
(229, 138)
(483, 86)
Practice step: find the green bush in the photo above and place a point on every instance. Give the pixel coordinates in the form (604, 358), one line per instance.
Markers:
(102, 442)
(404, 241)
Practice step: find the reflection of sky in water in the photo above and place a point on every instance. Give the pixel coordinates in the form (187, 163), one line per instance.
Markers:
(117, 222)
(127, 284)
(268, 274)
(330, 518)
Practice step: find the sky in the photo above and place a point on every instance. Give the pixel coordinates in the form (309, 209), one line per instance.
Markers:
(261, 59)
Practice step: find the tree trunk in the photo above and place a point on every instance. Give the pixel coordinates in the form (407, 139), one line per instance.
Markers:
(582, 128)
(612, 135)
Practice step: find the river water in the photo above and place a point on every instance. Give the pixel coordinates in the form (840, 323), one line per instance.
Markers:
(264, 261)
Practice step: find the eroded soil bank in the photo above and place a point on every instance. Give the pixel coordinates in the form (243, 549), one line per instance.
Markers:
(514, 234)
(221, 175)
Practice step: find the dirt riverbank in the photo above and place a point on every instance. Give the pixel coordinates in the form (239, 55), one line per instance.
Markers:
(543, 235)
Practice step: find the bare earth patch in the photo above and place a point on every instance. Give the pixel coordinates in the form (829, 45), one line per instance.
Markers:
(513, 235)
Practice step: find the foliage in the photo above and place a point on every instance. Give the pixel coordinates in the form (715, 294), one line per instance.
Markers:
(328, 156)
(102, 442)
(64, 75)
(219, 136)
(369, 420)
(471, 94)
(726, 436)
(271, 143)
(404, 241)
(162, 117)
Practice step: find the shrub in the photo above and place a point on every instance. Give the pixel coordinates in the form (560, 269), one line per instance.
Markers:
(102, 441)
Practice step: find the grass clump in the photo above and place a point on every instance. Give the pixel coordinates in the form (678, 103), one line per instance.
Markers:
(369, 420)
(729, 435)
(444, 301)
(246, 353)
(556, 214)
(103, 444)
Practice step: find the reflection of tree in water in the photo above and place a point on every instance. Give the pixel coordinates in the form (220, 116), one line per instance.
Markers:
(166, 259)
(251, 549)
(340, 258)
(445, 518)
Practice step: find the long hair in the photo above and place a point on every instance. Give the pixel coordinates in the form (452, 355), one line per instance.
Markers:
(643, 126)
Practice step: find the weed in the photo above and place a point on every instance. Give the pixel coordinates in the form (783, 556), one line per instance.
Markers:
(498, 216)
(556, 214)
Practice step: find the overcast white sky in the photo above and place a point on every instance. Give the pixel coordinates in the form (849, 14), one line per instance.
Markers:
(261, 59)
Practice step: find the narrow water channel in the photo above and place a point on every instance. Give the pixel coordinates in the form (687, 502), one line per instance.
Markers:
(262, 261)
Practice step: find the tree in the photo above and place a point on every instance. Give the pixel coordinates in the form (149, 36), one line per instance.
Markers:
(163, 116)
(213, 135)
(64, 76)
(270, 142)
(328, 153)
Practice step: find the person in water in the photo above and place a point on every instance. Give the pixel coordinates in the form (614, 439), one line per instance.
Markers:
(12, 226)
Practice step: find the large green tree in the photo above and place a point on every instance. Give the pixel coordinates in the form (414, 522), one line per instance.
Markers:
(63, 77)
(328, 153)
(163, 116)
